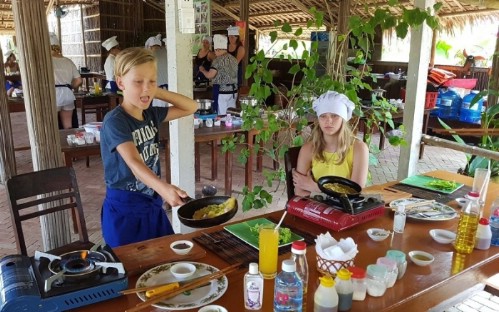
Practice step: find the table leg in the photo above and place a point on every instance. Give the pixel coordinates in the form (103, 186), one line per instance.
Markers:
(228, 174)
(68, 159)
(382, 137)
(425, 129)
(248, 177)
(214, 160)
(259, 157)
(197, 170)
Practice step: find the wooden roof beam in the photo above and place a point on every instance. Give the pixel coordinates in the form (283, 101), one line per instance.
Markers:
(220, 8)
(236, 4)
(455, 14)
(305, 9)
(274, 13)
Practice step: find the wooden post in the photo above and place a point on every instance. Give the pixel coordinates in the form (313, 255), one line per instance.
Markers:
(39, 98)
(494, 81)
(7, 154)
(433, 48)
(417, 74)
(83, 36)
(244, 16)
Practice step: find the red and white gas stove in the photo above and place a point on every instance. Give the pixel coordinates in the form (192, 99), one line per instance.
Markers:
(71, 279)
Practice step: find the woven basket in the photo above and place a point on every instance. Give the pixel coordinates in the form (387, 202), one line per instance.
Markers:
(331, 266)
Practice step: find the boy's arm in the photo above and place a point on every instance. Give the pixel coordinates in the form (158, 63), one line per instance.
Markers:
(182, 105)
(170, 193)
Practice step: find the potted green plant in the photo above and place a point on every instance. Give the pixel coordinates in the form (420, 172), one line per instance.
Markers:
(287, 125)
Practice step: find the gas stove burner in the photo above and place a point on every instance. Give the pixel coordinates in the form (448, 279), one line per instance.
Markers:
(62, 281)
(204, 112)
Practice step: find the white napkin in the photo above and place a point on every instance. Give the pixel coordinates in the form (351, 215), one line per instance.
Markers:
(330, 249)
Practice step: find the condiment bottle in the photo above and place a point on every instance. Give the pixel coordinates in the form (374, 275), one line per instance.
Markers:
(298, 255)
(399, 219)
(494, 222)
(483, 235)
(376, 276)
(288, 289)
(359, 283)
(401, 260)
(344, 288)
(468, 224)
(228, 120)
(325, 297)
(391, 270)
(253, 288)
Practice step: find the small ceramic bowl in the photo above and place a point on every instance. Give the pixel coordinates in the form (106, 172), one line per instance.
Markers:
(181, 247)
(378, 234)
(212, 308)
(182, 270)
(443, 236)
(421, 258)
(462, 202)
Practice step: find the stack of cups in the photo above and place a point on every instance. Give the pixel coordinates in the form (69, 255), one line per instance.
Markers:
(480, 185)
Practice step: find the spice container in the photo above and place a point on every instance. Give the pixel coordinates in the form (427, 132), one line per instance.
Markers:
(359, 283)
(483, 234)
(391, 270)
(401, 260)
(344, 288)
(325, 297)
(375, 280)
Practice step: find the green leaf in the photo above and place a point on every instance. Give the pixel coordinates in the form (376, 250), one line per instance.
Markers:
(286, 28)
(273, 37)
(298, 140)
(437, 6)
(294, 69)
(299, 32)
(402, 29)
(293, 43)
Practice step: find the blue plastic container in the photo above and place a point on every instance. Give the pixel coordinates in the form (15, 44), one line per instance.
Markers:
(450, 104)
(467, 99)
(470, 115)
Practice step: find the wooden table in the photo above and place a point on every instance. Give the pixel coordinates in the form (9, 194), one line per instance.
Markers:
(420, 288)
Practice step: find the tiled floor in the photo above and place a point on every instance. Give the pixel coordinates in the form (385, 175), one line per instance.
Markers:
(92, 188)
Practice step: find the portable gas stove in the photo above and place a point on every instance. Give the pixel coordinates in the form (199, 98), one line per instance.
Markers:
(330, 213)
(62, 282)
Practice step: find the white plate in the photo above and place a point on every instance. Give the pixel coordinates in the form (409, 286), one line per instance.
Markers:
(187, 300)
(431, 212)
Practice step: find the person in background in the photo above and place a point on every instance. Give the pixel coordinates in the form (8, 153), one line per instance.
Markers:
(204, 58)
(154, 44)
(113, 48)
(236, 49)
(333, 148)
(223, 71)
(132, 209)
(11, 67)
(67, 78)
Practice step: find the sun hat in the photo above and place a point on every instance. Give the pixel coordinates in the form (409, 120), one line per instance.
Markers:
(233, 31)
(152, 41)
(220, 42)
(53, 39)
(334, 102)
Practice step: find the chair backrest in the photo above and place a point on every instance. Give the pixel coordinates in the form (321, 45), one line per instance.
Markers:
(56, 189)
(290, 161)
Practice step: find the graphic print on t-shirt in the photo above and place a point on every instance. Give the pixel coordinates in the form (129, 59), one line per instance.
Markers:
(148, 148)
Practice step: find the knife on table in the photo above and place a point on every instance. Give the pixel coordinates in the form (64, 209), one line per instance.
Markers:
(160, 290)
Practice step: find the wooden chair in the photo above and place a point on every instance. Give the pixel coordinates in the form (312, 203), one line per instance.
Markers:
(290, 161)
(98, 105)
(56, 188)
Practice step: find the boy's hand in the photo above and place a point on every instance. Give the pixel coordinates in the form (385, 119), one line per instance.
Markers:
(174, 195)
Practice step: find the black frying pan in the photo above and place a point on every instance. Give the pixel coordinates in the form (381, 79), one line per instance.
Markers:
(186, 212)
(344, 198)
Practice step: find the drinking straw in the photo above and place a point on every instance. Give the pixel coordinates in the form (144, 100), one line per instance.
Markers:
(280, 221)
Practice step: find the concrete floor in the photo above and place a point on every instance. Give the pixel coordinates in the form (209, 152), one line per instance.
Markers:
(92, 187)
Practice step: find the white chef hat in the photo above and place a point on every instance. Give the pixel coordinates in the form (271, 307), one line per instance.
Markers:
(110, 43)
(7, 53)
(152, 41)
(233, 31)
(336, 103)
(220, 42)
(53, 39)
(207, 38)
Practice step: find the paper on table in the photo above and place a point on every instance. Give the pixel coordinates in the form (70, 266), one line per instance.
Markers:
(330, 249)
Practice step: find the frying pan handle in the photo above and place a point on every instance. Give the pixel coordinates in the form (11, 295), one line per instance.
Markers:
(346, 202)
(187, 199)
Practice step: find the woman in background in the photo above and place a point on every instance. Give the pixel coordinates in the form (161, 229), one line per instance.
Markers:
(204, 58)
(11, 67)
(236, 49)
(113, 48)
(333, 149)
(66, 77)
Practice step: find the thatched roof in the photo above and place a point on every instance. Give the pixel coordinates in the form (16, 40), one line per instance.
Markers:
(262, 13)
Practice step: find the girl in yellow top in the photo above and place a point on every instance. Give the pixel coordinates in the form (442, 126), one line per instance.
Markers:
(333, 149)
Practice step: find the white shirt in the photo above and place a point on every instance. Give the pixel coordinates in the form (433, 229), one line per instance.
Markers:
(109, 69)
(162, 59)
(64, 72)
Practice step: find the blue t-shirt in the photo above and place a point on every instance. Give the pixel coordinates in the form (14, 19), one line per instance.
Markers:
(119, 127)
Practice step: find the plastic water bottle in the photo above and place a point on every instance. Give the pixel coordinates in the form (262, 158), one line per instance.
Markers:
(494, 222)
(468, 224)
(253, 288)
(325, 297)
(288, 289)
(399, 219)
(228, 120)
(298, 255)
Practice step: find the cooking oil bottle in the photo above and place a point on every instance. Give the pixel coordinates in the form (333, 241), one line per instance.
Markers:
(468, 224)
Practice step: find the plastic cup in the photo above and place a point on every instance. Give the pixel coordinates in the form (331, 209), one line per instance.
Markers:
(481, 183)
(268, 241)
(89, 137)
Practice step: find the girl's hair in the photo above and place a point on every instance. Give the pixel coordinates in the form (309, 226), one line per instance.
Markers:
(345, 140)
(56, 49)
(131, 57)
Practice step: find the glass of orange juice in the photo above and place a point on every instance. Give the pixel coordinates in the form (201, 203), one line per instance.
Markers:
(268, 241)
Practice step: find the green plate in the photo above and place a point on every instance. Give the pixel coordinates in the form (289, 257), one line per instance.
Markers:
(421, 181)
(242, 231)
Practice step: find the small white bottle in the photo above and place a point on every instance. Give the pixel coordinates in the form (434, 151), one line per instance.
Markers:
(253, 288)
(325, 297)
(228, 120)
(399, 219)
(483, 235)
